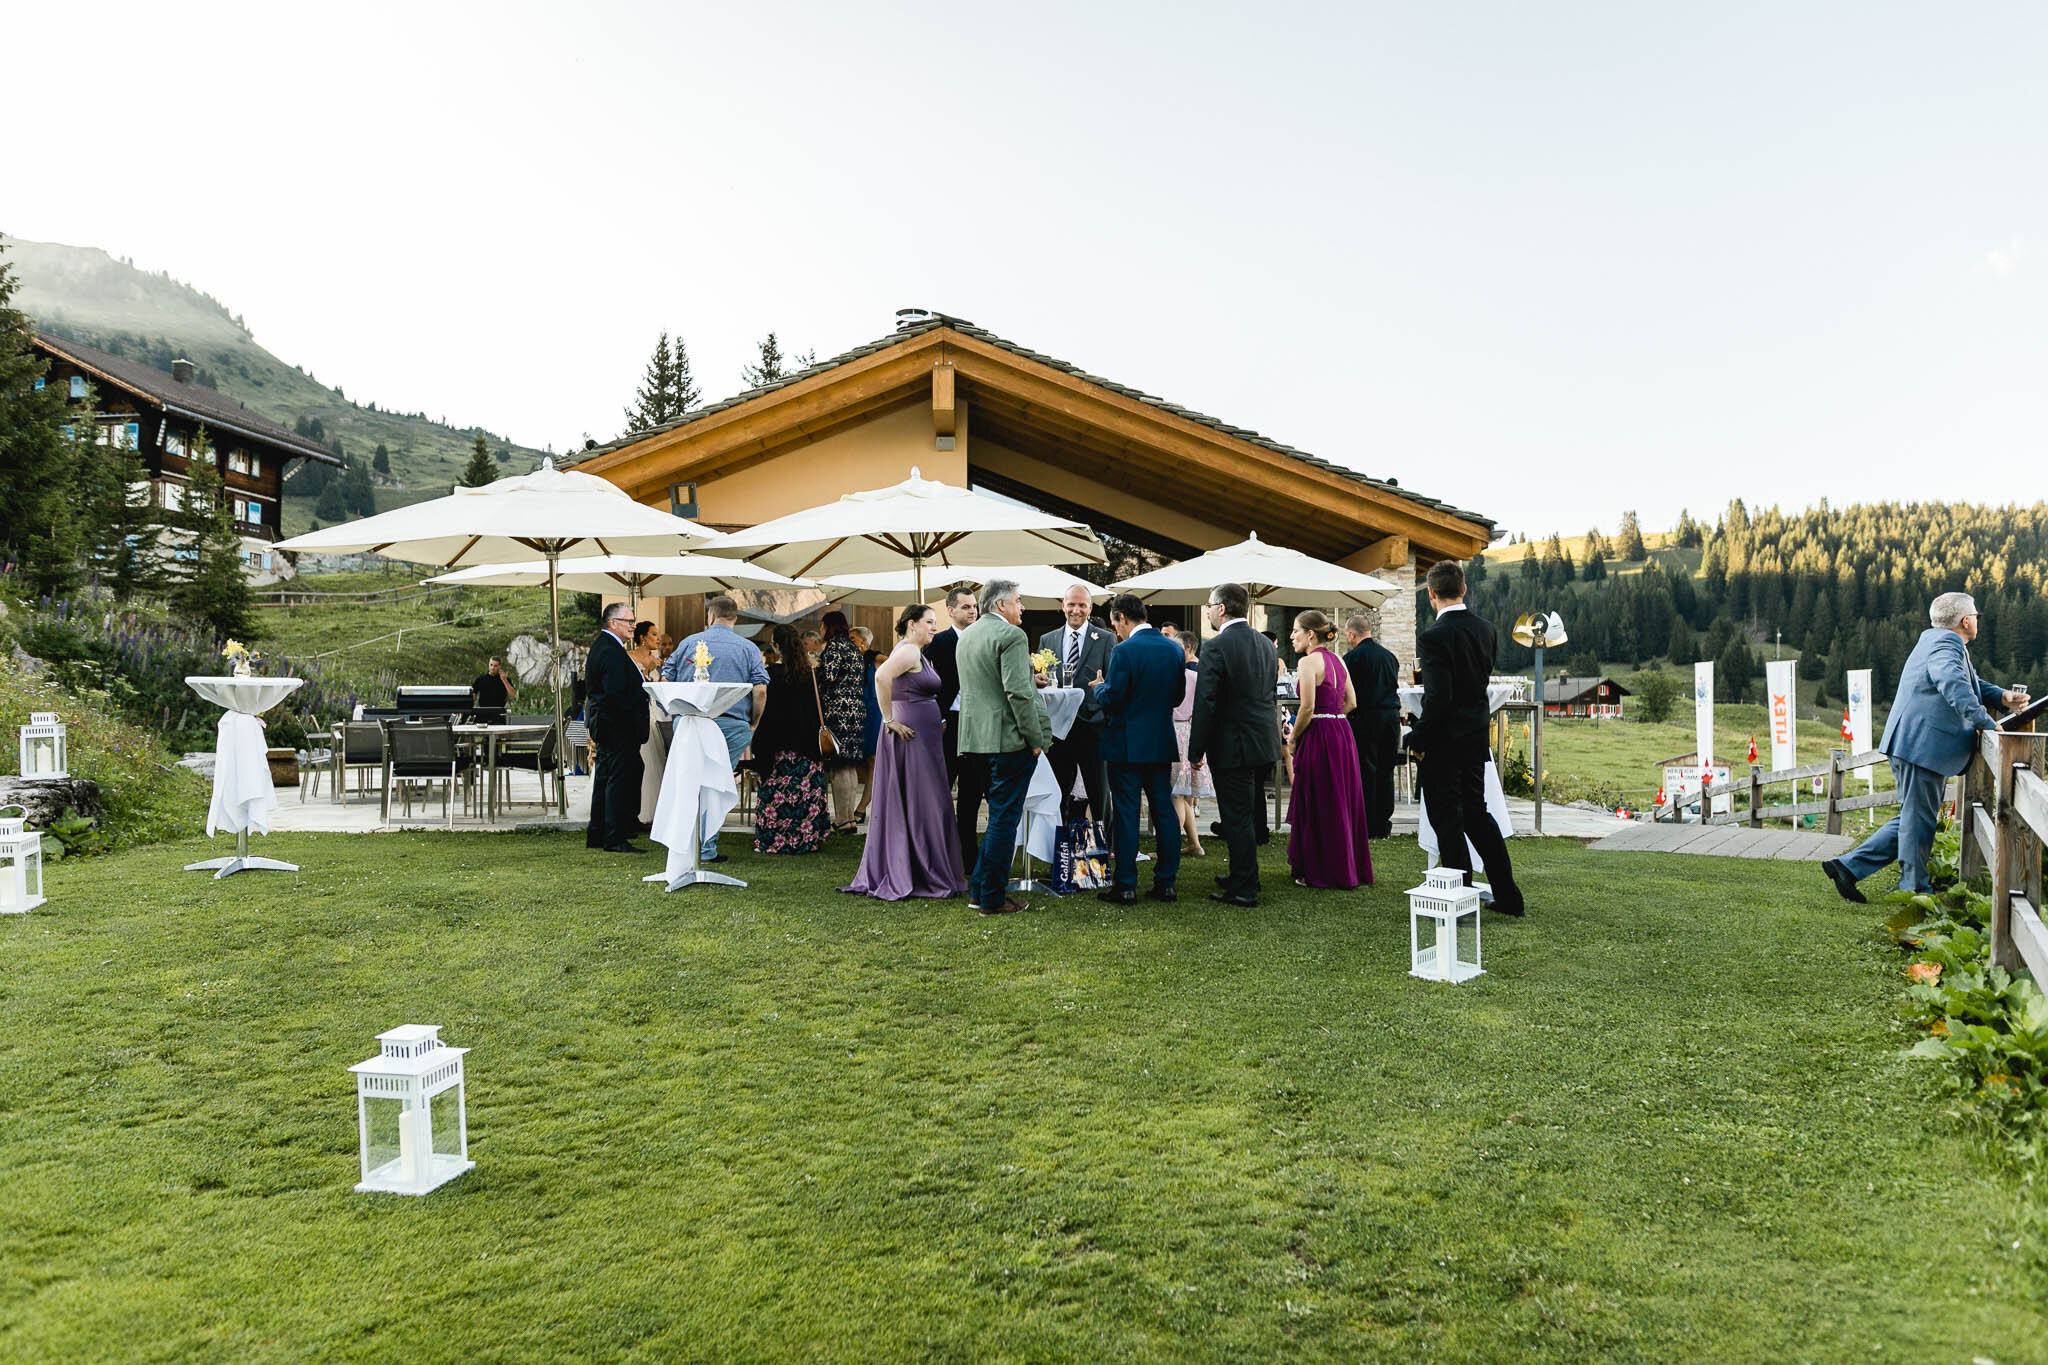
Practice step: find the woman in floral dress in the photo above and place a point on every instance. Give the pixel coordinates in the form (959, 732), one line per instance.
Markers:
(842, 674)
(790, 810)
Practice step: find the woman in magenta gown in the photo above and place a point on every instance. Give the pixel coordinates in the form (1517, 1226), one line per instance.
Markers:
(913, 847)
(1326, 841)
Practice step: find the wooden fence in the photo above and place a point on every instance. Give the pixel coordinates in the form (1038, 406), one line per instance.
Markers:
(1833, 805)
(2003, 810)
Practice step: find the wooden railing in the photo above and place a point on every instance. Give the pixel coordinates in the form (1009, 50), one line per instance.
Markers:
(1839, 765)
(2003, 811)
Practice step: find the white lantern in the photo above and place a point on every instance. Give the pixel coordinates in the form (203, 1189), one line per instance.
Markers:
(42, 747)
(21, 864)
(413, 1138)
(1444, 902)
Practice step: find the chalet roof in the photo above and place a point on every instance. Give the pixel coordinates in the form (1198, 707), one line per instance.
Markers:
(917, 322)
(186, 399)
(1558, 691)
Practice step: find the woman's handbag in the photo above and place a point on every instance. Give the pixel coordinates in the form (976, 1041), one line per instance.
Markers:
(827, 746)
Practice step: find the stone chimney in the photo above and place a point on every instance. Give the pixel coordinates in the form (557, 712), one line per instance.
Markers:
(181, 370)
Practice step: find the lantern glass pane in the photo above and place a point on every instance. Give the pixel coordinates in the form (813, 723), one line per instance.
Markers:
(383, 1146)
(32, 874)
(447, 1124)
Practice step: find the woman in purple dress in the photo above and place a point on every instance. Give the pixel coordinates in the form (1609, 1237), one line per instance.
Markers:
(913, 847)
(1326, 842)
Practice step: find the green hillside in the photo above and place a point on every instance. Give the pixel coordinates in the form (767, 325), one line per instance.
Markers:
(87, 295)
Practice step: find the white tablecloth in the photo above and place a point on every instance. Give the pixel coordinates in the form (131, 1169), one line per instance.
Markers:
(1497, 696)
(1042, 799)
(697, 783)
(1496, 806)
(243, 796)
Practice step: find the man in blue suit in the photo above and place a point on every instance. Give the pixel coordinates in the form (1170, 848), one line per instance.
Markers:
(1929, 738)
(1147, 678)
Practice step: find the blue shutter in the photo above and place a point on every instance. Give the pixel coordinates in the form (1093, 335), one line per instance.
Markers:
(39, 386)
(78, 386)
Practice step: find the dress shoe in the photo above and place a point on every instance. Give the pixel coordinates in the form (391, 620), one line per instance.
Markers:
(1162, 893)
(1216, 828)
(1512, 908)
(624, 848)
(1265, 836)
(1242, 902)
(716, 858)
(1222, 879)
(1844, 880)
(1008, 907)
(1116, 895)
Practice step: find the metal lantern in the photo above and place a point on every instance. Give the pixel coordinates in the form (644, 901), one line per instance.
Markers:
(1445, 902)
(410, 1143)
(21, 864)
(42, 747)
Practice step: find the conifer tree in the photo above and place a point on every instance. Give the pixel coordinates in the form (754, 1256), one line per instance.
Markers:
(126, 529)
(333, 504)
(1629, 540)
(666, 390)
(211, 587)
(38, 523)
(770, 369)
(480, 470)
(356, 495)
(381, 461)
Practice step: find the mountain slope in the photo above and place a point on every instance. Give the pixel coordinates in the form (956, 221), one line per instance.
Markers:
(87, 295)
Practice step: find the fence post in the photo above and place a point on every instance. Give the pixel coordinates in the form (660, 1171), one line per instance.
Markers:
(1835, 757)
(1756, 797)
(2007, 872)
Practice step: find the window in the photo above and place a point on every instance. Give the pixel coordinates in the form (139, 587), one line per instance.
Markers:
(174, 444)
(249, 511)
(238, 463)
(78, 386)
(131, 435)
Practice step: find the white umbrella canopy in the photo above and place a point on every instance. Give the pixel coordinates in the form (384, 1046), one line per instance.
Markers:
(511, 520)
(1041, 585)
(1268, 572)
(920, 522)
(635, 575)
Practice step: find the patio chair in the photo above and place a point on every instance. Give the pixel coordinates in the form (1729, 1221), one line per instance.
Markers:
(314, 762)
(534, 755)
(362, 748)
(424, 751)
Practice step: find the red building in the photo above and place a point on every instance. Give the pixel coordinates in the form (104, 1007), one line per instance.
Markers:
(1596, 697)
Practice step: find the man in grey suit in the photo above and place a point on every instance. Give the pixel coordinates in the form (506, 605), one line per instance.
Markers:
(1082, 650)
(1929, 737)
(1003, 725)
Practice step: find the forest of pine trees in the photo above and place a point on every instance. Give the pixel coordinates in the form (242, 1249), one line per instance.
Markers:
(1848, 587)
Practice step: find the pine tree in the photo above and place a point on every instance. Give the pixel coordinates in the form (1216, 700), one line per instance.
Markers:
(333, 505)
(770, 369)
(480, 470)
(1629, 540)
(1530, 571)
(126, 529)
(38, 523)
(381, 461)
(356, 495)
(666, 390)
(1596, 565)
(212, 588)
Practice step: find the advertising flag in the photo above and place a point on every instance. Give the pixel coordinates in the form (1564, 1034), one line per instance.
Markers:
(1703, 712)
(1859, 709)
(1778, 684)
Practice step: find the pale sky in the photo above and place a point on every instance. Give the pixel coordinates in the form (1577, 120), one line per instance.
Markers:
(1544, 261)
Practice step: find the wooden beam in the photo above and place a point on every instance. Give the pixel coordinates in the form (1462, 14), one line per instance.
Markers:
(1389, 553)
(942, 399)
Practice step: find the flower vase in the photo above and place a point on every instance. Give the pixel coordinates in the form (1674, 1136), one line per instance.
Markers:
(702, 674)
(241, 668)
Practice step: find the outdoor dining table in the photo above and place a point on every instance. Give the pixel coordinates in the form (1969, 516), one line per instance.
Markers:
(697, 790)
(1038, 829)
(242, 791)
(488, 736)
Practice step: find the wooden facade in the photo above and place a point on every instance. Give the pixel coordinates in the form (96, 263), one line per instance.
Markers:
(1598, 698)
(161, 416)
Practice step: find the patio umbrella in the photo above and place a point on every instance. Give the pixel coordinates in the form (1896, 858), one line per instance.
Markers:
(546, 512)
(920, 521)
(636, 575)
(1268, 572)
(1042, 585)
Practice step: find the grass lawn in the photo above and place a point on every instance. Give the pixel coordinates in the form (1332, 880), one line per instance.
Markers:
(1584, 757)
(1670, 1124)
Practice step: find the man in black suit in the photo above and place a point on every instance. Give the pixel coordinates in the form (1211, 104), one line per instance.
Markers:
(1235, 728)
(1081, 649)
(1456, 655)
(1375, 721)
(972, 777)
(615, 709)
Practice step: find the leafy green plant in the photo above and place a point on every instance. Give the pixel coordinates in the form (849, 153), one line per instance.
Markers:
(73, 833)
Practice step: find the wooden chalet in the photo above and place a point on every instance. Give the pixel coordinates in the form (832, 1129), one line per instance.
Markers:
(159, 414)
(968, 407)
(1596, 697)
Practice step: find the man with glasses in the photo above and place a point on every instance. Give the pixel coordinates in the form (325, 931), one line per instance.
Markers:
(1929, 737)
(1235, 728)
(615, 710)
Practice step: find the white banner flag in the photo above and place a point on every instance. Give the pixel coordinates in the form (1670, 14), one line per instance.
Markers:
(1778, 684)
(1859, 710)
(1703, 711)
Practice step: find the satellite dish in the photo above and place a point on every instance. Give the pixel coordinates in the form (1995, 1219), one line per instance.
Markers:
(1540, 628)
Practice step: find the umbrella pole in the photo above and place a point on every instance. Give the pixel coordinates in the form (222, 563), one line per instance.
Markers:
(555, 668)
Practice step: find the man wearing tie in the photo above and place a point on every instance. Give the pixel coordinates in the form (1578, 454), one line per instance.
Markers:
(943, 652)
(1147, 678)
(1082, 650)
(615, 709)
(1375, 721)
(1929, 737)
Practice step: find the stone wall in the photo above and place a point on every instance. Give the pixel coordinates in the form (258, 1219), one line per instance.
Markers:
(1397, 616)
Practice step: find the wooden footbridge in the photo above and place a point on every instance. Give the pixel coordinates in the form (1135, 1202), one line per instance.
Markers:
(1725, 841)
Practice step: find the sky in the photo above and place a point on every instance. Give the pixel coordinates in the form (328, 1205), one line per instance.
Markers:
(1548, 262)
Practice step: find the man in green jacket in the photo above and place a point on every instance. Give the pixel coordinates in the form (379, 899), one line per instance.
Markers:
(1002, 723)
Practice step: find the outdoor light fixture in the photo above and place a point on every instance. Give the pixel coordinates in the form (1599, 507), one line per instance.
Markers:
(1535, 629)
(21, 864)
(410, 1145)
(43, 753)
(1444, 901)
